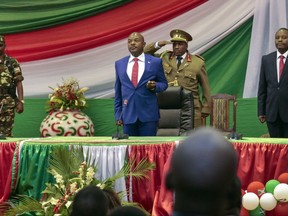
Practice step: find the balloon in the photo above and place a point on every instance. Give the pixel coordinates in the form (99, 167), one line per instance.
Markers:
(281, 209)
(283, 178)
(256, 187)
(250, 201)
(256, 212)
(281, 192)
(268, 202)
(270, 185)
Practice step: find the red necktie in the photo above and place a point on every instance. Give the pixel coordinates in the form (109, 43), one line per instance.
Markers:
(281, 65)
(134, 77)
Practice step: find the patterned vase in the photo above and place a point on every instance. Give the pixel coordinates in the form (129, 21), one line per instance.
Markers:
(67, 123)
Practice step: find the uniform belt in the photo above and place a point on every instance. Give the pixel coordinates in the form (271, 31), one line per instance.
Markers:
(4, 91)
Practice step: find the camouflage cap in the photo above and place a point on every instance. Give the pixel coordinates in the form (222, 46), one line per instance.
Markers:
(180, 35)
(2, 39)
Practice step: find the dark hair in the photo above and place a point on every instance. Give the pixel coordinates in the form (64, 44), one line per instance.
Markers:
(90, 201)
(113, 198)
(127, 211)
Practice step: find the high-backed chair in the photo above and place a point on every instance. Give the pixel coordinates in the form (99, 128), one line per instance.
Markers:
(176, 112)
(223, 112)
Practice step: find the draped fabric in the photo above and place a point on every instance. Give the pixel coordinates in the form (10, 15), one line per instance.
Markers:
(43, 14)
(108, 160)
(90, 46)
(268, 18)
(143, 191)
(94, 31)
(7, 169)
(33, 169)
(261, 162)
(83, 39)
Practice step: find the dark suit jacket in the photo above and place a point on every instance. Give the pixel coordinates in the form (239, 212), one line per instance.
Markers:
(138, 102)
(272, 96)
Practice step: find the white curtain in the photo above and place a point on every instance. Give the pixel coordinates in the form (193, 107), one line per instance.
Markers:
(269, 16)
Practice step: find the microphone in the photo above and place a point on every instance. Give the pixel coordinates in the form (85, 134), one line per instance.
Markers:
(119, 135)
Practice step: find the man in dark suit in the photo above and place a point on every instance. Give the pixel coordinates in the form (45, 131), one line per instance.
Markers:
(137, 82)
(273, 88)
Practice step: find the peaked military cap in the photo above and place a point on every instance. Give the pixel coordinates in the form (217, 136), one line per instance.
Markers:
(180, 35)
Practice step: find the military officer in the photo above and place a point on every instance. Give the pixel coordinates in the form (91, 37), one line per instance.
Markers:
(184, 69)
(11, 90)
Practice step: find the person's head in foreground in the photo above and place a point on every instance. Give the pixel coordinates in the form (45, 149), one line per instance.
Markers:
(90, 201)
(127, 211)
(203, 170)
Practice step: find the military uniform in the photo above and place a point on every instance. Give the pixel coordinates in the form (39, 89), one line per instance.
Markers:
(10, 74)
(191, 74)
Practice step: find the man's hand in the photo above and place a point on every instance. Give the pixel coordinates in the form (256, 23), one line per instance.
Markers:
(262, 118)
(151, 85)
(19, 107)
(119, 122)
(163, 43)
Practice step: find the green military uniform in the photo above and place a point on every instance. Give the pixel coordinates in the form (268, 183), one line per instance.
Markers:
(10, 74)
(191, 75)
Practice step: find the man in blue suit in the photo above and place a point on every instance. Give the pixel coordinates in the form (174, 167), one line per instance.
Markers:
(273, 88)
(136, 105)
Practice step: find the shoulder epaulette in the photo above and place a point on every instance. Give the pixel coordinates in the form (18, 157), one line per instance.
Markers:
(166, 52)
(200, 57)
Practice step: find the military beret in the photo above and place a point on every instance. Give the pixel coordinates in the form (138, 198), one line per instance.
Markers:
(180, 35)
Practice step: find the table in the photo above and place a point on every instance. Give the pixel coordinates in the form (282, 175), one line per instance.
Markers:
(24, 161)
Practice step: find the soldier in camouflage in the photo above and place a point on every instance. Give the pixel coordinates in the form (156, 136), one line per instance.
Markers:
(11, 90)
(184, 69)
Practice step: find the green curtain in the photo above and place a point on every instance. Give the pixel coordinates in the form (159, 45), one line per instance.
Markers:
(34, 165)
(226, 62)
(26, 15)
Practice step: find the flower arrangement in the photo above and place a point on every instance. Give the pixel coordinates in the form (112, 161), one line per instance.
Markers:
(68, 96)
(72, 173)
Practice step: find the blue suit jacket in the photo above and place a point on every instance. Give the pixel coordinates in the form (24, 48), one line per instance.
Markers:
(132, 103)
(273, 96)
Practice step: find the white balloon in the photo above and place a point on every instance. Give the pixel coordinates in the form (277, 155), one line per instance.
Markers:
(268, 201)
(281, 192)
(250, 201)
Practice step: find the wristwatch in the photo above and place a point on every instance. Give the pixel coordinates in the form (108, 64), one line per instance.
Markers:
(22, 101)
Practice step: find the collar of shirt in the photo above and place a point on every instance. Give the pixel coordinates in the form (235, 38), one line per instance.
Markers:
(141, 58)
(183, 56)
(284, 54)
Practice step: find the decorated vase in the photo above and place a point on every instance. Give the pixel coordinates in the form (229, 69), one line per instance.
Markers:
(67, 123)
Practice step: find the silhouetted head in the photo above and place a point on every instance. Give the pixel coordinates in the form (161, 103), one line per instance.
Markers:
(90, 201)
(202, 170)
(127, 211)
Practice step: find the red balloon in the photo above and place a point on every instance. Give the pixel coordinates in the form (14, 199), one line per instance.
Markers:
(283, 178)
(281, 209)
(244, 212)
(256, 187)
(270, 213)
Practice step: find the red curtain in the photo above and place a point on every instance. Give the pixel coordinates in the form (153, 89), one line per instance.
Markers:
(7, 150)
(261, 162)
(144, 190)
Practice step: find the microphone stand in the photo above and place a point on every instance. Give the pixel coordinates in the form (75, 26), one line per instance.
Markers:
(119, 135)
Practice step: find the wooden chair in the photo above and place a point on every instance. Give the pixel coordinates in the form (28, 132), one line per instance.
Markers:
(223, 112)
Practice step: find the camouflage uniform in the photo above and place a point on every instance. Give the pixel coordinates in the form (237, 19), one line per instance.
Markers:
(191, 74)
(10, 74)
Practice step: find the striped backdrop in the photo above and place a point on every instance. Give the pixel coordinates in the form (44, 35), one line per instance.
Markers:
(56, 40)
